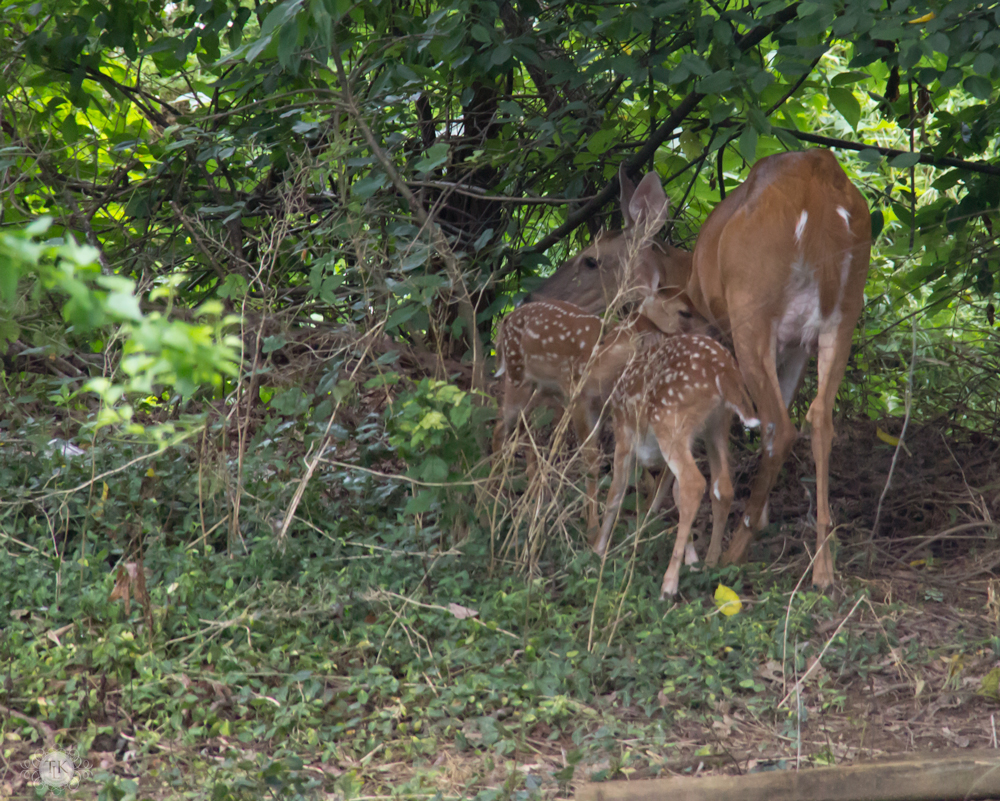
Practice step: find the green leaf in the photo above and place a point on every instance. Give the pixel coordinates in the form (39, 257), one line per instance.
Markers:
(788, 139)
(904, 161)
(288, 41)
(124, 306)
(434, 470)
(878, 223)
(400, 315)
(273, 343)
(365, 187)
(481, 33)
(382, 380)
(847, 78)
(460, 414)
(847, 104)
(938, 42)
(601, 140)
(419, 503)
(984, 63)
(870, 156)
(758, 120)
(947, 180)
(501, 55)
(716, 82)
(432, 158)
(748, 143)
(9, 273)
(950, 77)
(978, 87)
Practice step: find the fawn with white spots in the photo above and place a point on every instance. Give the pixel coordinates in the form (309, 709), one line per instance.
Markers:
(780, 266)
(550, 347)
(681, 387)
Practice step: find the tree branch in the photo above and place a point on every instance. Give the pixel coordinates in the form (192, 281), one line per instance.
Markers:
(467, 309)
(925, 158)
(643, 154)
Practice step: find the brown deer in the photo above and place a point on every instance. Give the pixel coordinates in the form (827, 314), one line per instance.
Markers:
(622, 260)
(780, 266)
(551, 347)
(677, 389)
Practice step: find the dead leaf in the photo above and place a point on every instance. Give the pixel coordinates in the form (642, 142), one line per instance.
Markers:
(462, 612)
(55, 634)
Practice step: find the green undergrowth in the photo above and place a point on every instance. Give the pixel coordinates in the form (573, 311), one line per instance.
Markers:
(308, 668)
(356, 657)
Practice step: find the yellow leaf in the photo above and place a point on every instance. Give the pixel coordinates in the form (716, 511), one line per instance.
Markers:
(924, 18)
(728, 601)
(990, 685)
(887, 438)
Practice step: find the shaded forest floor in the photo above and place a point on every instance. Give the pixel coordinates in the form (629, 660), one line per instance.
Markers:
(365, 660)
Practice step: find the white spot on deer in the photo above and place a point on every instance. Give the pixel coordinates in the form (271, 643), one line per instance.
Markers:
(715, 490)
(845, 214)
(800, 226)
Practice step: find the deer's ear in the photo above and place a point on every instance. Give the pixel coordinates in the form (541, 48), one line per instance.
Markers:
(625, 197)
(648, 206)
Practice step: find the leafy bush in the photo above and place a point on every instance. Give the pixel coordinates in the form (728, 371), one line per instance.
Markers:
(437, 429)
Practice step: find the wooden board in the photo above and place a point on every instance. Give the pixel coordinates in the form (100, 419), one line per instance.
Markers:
(922, 777)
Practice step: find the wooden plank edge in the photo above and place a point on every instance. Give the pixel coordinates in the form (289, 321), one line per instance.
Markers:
(936, 776)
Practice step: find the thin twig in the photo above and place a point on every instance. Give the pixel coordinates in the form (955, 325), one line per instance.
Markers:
(902, 435)
(798, 684)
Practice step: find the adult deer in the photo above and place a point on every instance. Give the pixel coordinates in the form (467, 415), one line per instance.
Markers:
(553, 347)
(679, 388)
(622, 260)
(780, 265)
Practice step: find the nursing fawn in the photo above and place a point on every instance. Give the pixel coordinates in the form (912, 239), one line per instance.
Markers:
(679, 388)
(555, 348)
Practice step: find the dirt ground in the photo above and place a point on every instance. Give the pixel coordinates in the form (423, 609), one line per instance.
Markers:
(933, 561)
